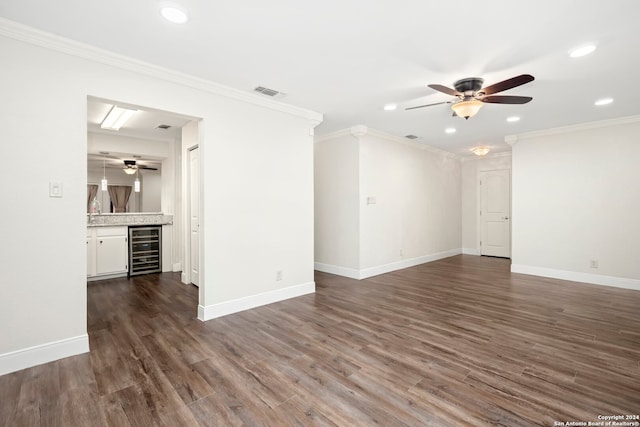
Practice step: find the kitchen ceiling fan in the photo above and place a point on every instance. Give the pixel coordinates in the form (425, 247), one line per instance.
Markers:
(131, 166)
(470, 95)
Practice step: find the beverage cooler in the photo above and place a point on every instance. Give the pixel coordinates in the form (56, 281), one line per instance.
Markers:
(145, 249)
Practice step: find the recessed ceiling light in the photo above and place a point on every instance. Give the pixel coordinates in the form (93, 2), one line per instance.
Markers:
(582, 51)
(603, 101)
(513, 119)
(450, 130)
(175, 15)
(390, 107)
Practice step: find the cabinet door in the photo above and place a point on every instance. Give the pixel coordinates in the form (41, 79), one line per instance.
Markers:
(111, 254)
(91, 256)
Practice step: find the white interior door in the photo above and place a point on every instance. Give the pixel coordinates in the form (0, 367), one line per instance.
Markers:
(194, 219)
(495, 213)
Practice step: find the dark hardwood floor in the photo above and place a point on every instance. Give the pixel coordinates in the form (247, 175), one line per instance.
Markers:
(460, 341)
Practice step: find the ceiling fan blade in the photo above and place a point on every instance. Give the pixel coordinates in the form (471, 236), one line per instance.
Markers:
(505, 99)
(445, 89)
(147, 167)
(429, 105)
(507, 84)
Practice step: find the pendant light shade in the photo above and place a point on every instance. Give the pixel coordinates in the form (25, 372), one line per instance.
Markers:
(103, 183)
(136, 184)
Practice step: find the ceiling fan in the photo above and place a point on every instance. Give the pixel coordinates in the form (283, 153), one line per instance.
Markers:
(130, 167)
(470, 95)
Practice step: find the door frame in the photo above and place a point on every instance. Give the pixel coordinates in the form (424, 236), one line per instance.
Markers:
(479, 207)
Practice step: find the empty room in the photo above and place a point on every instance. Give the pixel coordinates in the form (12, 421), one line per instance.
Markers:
(420, 213)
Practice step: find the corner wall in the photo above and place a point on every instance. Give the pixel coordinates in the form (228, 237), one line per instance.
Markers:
(337, 214)
(576, 199)
(402, 198)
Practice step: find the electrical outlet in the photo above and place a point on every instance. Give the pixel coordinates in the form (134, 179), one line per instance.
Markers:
(278, 275)
(593, 263)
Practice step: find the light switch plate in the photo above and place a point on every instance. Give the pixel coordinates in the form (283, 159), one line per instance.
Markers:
(55, 189)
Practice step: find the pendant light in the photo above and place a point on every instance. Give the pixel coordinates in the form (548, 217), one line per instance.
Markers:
(136, 183)
(104, 174)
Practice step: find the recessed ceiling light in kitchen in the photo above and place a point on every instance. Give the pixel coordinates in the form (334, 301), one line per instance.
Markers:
(450, 130)
(390, 107)
(174, 14)
(513, 119)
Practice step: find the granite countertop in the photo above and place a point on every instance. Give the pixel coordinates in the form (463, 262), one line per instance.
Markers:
(129, 218)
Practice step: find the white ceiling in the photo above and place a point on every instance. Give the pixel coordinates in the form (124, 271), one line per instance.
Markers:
(143, 124)
(348, 58)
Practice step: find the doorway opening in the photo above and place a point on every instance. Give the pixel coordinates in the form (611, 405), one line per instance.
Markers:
(146, 159)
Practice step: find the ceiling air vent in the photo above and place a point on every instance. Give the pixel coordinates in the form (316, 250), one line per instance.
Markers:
(411, 136)
(269, 92)
(163, 126)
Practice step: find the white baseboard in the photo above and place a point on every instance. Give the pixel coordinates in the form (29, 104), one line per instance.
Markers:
(229, 307)
(470, 251)
(336, 269)
(386, 268)
(45, 353)
(575, 276)
(406, 263)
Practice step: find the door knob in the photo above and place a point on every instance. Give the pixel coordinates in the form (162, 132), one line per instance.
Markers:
(505, 217)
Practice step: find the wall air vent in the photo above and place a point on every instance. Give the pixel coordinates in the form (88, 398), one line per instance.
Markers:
(411, 136)
(269, 92)
(163, 126)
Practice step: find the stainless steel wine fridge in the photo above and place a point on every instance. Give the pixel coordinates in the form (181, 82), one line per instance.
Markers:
(145, 249)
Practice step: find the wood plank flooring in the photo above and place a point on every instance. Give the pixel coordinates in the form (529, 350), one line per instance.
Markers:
(455, 342)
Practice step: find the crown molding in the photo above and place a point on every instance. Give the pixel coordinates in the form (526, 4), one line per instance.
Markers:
(361, 130)
(333, 135)
(24, 33)
(513, 139)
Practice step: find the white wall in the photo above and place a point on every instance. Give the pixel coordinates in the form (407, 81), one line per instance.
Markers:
(417, 211)
(576, 199)
(471, 167)
(257, 175)
(190, 140)
(337, 193)
(150, 191)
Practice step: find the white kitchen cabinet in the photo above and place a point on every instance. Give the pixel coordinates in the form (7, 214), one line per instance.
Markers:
(109, 252)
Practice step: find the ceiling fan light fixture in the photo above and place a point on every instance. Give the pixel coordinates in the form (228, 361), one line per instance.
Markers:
(129, 170)
(481, 150)
(467, 109)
